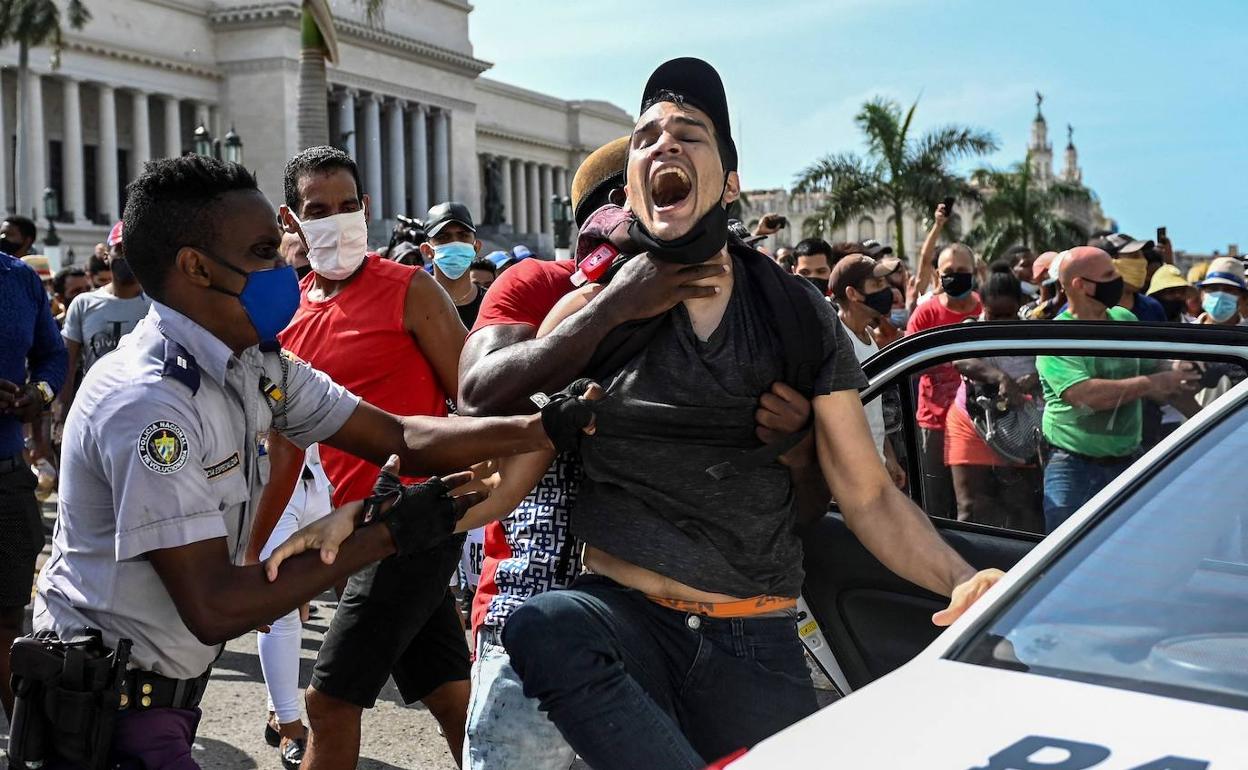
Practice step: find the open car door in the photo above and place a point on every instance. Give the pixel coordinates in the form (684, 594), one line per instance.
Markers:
(870, 621)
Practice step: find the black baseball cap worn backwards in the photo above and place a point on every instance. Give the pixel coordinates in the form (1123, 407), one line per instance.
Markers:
(699, 85)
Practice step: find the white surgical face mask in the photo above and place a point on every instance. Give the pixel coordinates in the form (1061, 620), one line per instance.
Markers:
(336, 245)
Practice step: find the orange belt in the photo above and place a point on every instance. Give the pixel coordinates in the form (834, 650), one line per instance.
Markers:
(741, 608)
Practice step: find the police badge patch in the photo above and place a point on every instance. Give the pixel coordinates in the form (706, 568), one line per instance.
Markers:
(163, 447)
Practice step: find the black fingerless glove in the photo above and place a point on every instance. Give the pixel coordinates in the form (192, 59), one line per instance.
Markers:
(565, 416)
(423, 515)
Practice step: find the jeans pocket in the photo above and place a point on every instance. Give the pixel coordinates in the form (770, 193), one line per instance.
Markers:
(784, 657)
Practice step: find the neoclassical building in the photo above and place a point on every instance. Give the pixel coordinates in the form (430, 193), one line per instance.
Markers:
(881, 224)
(407, 99)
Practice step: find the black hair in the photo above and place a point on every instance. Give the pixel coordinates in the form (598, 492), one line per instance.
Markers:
(484, 264)
(1001, 282)
(725, 150)
(842, 250)
(316, 160)
(173, 204)
(96, 265)
(808, 247)
(63, 275)
(1015, 254)
(25, 226)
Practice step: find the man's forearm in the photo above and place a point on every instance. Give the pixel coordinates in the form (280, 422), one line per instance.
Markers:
(446, 445)
(247, 599)
(901, 536)
(501, 381)
(1099, 395)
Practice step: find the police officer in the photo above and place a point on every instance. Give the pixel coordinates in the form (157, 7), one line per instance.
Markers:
(164, 456)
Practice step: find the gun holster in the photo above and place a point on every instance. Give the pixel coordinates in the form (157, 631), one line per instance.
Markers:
(67, 696)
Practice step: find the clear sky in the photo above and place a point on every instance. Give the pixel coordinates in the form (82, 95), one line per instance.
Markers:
(1157, 91)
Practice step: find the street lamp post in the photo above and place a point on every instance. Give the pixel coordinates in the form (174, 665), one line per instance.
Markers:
(202, 139)
(561, 216)
(52, 241)
(233, 147)
(229, 150)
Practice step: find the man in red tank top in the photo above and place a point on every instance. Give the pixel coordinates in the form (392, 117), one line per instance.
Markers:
(389, 333)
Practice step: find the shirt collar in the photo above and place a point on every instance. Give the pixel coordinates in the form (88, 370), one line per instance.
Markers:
(7, 262)
(211, 354)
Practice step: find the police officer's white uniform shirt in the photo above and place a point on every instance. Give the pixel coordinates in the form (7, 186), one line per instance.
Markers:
(163, 448)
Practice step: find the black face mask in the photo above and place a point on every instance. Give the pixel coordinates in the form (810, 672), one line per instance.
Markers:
(303, 270)
(121, 271)
(1174, 308)
(819, 283)
(704, 241)
(10, 247)
(957, 285)
(880, 301)
(1108, 293)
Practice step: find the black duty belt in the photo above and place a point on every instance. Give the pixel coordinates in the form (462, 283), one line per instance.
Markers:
(1110, 460)
(144, 690)
(10, 464)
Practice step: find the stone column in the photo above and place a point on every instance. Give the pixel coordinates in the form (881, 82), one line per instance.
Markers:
(547, 190)
(141, 147)
(107, 193)
(509, 210)
(203, 116)
(75, 201)
(522, 197)
(173, 127)
(346, 122)
(370, 149)
(561, 181)
(397, 161)
(441, 156)
(37, 151)
(420, 160)
(534, 197)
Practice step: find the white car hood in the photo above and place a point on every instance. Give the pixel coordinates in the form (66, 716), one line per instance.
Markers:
(934, 713)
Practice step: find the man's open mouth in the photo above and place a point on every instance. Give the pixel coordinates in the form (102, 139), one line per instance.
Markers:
(669, 187)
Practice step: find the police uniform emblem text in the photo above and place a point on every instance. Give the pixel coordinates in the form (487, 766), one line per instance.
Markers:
(163, 447)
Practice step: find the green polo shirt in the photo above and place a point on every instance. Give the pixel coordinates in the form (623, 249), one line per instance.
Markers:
(1107, 433)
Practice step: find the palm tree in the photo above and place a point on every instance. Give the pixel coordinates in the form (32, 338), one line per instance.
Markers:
(897, 173)
(30, 24)
(319, 44)
(1019, 211)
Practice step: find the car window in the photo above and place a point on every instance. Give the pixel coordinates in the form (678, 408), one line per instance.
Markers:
(1020, 442)
(1155, 597)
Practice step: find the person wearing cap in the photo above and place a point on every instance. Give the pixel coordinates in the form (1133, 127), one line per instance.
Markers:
(1172, 291)
(1129, 255)
(532, 550)
(859, 286)
(452, 247)
(1051, 298)
(1093, 416)
(96, 321)
(43, 268)
(680, 646)
(1222, 291)
(813, 261)
(390, 334)
(17, 236)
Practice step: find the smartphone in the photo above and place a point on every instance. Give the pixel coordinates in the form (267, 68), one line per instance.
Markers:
(779, 222)
(948, 204)
(1161, 234)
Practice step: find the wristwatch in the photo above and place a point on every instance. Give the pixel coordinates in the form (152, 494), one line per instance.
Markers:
(45, 391)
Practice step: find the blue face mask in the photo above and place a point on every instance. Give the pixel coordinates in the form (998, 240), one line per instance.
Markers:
(1220, 305)
(269, 297)
(453, 259)
(898, 317)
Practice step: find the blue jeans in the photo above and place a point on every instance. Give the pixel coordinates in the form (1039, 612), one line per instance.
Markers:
(1071, 481)
(631, 684)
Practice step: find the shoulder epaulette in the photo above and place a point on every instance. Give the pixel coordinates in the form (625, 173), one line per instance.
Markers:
(181, 366)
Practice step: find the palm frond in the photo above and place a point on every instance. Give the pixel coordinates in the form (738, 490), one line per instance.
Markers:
(880, 121)
(948, 144)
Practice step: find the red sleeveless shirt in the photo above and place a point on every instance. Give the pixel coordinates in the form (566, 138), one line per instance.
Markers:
(357, 337)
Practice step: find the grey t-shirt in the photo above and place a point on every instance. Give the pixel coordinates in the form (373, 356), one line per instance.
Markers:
(647, 498)
(97, 321)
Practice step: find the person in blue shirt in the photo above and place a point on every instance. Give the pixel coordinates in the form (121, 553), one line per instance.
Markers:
(32, 370)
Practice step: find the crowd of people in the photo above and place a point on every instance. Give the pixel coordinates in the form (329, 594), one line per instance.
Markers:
(245, 407)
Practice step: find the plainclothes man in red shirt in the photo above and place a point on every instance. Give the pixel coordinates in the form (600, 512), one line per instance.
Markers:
(955, 301)
(389, 333)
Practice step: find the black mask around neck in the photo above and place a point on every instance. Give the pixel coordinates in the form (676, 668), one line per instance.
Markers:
(704, 241)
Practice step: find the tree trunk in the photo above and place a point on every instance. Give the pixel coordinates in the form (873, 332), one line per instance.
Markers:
(312, 120)
(23, 205)
(900, 250)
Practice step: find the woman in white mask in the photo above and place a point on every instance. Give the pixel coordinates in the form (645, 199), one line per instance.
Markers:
(452, 247)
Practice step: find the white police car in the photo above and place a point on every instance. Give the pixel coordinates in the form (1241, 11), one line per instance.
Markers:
(1119, 642)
